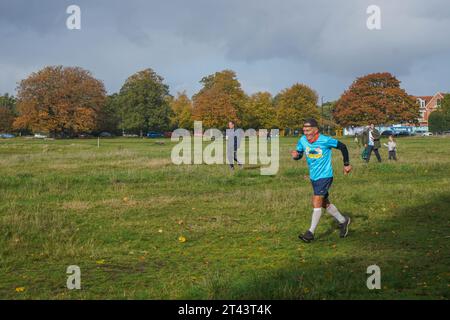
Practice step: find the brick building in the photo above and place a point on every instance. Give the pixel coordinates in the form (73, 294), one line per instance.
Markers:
(428, 104)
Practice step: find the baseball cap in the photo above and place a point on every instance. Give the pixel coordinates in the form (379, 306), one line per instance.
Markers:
(311, 123)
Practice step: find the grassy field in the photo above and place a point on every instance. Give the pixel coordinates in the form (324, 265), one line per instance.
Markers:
(118, 211)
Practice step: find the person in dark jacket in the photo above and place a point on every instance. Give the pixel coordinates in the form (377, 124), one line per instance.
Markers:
(371, 141)
(234, 137)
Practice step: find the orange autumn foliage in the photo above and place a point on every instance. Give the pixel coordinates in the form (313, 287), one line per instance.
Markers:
(220, 100)
(59, 100)
(375, 98)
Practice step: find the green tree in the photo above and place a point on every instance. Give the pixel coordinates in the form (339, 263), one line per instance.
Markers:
(259, 111)
(327, 121)
(7, 112)
(296, 104)
(326, 111)
(439, 120)
(445, 104)
(108, 118)
(143, 103)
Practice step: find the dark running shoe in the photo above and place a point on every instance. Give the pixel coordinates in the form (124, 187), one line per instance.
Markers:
(307, 237)
(343, 227)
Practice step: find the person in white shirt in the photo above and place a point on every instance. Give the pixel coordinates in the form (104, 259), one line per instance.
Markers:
(392, 148)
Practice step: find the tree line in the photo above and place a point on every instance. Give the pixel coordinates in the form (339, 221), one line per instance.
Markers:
(68, 101)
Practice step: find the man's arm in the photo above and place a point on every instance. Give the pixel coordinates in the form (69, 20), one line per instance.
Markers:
(297, 154)
(343, 148)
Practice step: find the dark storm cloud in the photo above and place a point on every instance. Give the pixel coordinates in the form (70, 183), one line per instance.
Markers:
(271, 44)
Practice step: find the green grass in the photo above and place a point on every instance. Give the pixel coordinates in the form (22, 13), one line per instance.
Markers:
(67, 202)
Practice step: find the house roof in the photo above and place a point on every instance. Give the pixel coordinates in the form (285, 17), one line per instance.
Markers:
(426, 98)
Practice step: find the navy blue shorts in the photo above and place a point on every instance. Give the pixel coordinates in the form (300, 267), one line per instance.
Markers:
(321, 186)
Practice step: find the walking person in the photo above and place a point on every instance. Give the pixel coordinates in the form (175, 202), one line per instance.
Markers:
(318, 149)
(371, 141)
(233, 144)
(357, 140)
(392, 148)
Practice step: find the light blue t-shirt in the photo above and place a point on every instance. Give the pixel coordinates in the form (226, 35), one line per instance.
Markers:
(318, 156)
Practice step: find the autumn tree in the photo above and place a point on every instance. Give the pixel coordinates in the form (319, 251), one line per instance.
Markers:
(143, 102)
(375, 98)
(296, 104)
(7, 112)
(181, 107)
(220, 100)
(259, 111)
(59, 100)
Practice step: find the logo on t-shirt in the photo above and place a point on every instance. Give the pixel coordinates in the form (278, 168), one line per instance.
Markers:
(313, 153)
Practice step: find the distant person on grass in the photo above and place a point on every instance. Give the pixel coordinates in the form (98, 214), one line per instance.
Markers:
(392, 148)
(317, 148)
(357, 140)
(371, 141)
(233, 144)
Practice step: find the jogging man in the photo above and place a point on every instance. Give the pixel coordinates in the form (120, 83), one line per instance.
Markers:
(317, 148)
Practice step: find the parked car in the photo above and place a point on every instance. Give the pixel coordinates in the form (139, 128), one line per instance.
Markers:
(404, 134)
(426, 134)
(7, 136)
(130, 135)
(84, 136)
(388, 133)
(168, 134)
(105, 135)
(155, 134)
(40, 136)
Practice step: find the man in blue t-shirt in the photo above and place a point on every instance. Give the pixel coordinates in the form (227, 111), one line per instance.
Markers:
(317, 149)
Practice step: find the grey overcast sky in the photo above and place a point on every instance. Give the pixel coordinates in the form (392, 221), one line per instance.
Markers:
(271, 44)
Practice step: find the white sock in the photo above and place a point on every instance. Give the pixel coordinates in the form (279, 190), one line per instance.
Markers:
(317, 212)
(335, 213)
